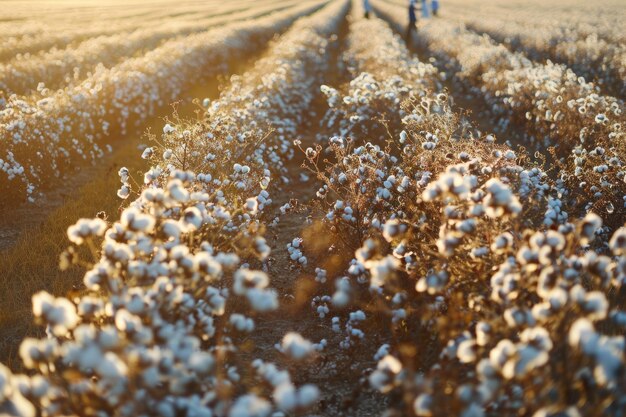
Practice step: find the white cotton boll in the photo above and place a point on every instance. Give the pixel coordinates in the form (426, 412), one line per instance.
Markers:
(124, 174)
(483, 333)
(308, 395)
(501, 353)
(393, 229)
(596, 305)
(473, 410)
(340, 298)
(262, 248)
(466, 351)
(167, 154)
(423, 405)
(382, 270)
(288, 398)
(232, 374)
(111, 367)
(85, 228)
(252, 206)
(133, 219)
(500, 199)
(12, 401)
(171, 228)
(382, 352)
(250, 406)
(192, 219)
(262, 300)
(168, 128)
(285, 396)
(147, 153)
(123, 192)
(383, 378)
(228, 260)
(618, 241)
(295, 346)
(246, 279)
(537, 337)
(527, 359)
(177, 191)
(242, 323)
(588, 228)
(58, 313)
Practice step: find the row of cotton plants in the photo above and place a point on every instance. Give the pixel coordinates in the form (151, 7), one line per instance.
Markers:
(55, 27)
(579, 22)
(35, 36)
(43, 138)
(59, 68)
(171, 293)
(592, 57)
(563, 113)
(479, 310)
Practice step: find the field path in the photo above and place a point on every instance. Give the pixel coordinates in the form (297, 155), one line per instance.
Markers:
(343, 391)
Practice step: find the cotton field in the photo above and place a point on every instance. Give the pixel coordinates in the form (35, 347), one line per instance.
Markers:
(280, 208)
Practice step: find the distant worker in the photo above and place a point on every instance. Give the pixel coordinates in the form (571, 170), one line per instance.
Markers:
(412, 20)
(368, 8)
(435, 7)
(424, 9)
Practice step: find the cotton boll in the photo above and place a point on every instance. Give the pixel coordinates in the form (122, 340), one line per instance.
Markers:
(167, 129)
(177, 191)
(381, 270)
(252, 206)
(133, 219)
(423, 405)
(500, 200)
(393, 229)
(58, 313)
(618, 241)
(588, 228)
(86, 228)
(12, 402)
(147, 153)
(383, 378)
(262, 300)
(250, 405)
(296, 347)
(246, 279)
(192, 219)
(289, 398)
(242, 323)
(466, 351)
(123, 192)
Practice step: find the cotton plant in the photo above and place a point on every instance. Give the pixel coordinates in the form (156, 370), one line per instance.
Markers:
(563, 114)
(47, 135)
(507, 353)
(438, 218)
(151, 294)
(587, 54)
(156, 328)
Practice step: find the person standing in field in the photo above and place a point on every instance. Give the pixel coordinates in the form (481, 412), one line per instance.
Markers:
(424, 9)
(368, 8)
(435, 7)
(412, 20)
